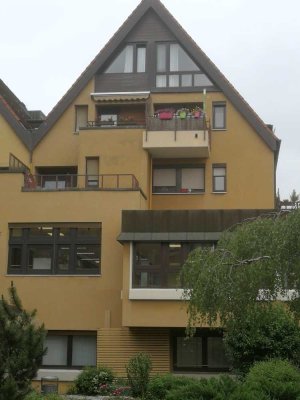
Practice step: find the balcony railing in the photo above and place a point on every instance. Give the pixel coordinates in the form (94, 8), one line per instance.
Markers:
(126, 123)
(175, 123)
(117, 182)
(154, 123)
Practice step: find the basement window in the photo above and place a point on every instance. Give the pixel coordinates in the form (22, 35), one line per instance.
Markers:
(65, 350)
(204, 352)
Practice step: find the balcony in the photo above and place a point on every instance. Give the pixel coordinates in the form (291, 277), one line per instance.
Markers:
(74, 182)
(171, 136)
(115, 124)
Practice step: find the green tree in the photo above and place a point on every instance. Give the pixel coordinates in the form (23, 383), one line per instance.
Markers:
(21, 347)
(262, 334)
(294, 197)
(277, 201)
(255, 260)
(138, 374)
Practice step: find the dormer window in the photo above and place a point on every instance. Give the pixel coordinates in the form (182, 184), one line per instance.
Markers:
(131, 59)
(175, 68)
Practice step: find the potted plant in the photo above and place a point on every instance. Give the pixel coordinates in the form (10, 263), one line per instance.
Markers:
(165, 114)
(196, 112)
(182, 113)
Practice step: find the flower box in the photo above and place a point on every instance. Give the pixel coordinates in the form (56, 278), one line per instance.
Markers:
(165, 115)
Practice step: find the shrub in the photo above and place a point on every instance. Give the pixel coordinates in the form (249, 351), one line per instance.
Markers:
(121, 391)
(262, 334)
(244, 392)
(204, 389)
(93, 381)
(277, 378)
(138, 374)
(160, 385)
(37, 396)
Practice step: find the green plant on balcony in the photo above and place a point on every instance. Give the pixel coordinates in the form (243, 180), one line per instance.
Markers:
(127, 120)
(196, 112)
(182, 113)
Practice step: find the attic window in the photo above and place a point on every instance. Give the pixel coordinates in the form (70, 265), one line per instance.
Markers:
(175, 68)
(131, 59)
(171, 57)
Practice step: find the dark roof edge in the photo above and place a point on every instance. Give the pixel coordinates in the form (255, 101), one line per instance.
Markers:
(19, 130)
(208, 66)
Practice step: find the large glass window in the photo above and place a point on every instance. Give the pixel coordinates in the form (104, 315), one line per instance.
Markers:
(202, 352)
(179, 179)
(179, 60)
(175, 68)
(158, 264)
(55, 249)
(141, 59)
(131, 59)
(70, 350)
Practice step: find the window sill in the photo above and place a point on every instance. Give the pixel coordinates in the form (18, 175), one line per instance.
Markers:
(66, 375)
(219, 129)
(155, 294)
(180, 194)
(219, 192)
(56, 275)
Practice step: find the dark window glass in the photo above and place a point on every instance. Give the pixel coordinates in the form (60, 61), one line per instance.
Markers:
(189, 352)
(216, 357)
(87, 257)
(16, 257)
(40, 257)
(202, 352)
(55, 250)
(40, 231)
(16, 232)
(219, 116)
(63, 258)
(148, 254)
(158, 265)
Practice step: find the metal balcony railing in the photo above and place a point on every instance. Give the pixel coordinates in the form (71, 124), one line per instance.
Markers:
(64, 182)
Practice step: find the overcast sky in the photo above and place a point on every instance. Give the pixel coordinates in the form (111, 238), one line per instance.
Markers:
(45, 45)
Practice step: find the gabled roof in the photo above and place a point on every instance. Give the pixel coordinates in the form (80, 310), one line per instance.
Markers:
(15, 113)
(188, 43)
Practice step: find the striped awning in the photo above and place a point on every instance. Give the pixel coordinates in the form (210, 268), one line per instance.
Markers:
(120, 96)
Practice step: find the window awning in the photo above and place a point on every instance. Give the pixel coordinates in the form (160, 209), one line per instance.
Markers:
(120, 96)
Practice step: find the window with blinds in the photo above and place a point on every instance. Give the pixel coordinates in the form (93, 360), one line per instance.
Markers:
(70, 350)
(179, 179)
(92, 171)
(219, 178)
(81, 117)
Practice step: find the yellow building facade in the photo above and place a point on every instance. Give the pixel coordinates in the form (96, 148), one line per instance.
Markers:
(150, 154)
